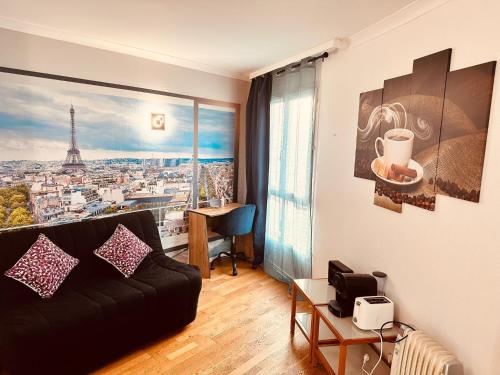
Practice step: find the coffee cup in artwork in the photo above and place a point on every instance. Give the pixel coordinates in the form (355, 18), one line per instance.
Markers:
(398, 146)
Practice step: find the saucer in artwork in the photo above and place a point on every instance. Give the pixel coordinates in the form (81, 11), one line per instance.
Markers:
(412, 164)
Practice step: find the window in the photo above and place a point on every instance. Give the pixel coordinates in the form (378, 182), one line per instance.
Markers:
(288, 232)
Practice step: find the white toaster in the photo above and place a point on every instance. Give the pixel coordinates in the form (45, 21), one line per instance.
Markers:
(373, 311)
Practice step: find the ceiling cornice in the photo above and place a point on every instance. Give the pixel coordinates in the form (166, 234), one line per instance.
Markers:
(89, 41)
(397, 19)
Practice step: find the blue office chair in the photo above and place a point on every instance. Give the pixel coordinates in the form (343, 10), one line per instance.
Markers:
(238, 222)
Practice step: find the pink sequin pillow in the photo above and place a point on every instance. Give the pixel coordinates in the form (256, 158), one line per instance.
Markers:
(123, 250)
(43, 268)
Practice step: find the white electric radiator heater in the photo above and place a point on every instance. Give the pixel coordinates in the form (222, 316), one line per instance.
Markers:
(420, 354)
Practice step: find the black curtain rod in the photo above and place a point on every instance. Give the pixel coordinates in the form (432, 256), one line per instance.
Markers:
(323, 56)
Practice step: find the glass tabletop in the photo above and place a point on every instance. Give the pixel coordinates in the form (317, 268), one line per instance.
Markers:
(317, 291)
(347, 330)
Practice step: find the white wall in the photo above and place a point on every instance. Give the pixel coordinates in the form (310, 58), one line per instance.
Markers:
(443, 267)
(29, 52)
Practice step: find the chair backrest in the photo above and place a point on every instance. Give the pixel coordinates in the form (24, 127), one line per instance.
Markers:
(239, 221)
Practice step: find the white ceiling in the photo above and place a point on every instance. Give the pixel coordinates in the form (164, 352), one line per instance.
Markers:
(227, 37)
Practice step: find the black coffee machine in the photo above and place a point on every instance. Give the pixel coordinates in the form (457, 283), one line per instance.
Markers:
(348, 286)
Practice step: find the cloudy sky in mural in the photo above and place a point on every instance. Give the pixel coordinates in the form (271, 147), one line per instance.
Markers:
(215, 132)
(35, 125)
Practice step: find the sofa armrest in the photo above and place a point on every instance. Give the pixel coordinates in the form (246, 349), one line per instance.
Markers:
(191, 272)
(165, 261)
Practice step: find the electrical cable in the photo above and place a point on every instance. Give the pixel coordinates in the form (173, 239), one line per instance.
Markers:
(397, 322)
(380, 356)
(380, 333)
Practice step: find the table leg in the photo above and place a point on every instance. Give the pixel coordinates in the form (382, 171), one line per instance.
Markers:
(198, 243)
(314, 337)
(294, 308)
(342, 359)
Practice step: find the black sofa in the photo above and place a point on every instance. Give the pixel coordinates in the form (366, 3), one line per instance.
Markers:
(97, 314)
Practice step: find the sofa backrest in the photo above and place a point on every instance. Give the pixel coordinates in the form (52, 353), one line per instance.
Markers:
(78, 239)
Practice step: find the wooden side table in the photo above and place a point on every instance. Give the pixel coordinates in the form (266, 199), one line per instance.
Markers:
(317, 292)
(334, 357)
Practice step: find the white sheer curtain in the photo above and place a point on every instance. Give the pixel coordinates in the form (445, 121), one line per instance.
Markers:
(288, 243)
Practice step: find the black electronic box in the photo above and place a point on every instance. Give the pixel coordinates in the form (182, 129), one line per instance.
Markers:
(335, 267)
(350, 286)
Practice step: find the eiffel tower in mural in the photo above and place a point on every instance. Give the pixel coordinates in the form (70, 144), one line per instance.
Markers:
(73, 159)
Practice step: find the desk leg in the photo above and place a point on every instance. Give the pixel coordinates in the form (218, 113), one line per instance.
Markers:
(198, 243)
(342, 359)
(314, 343)
(294, 308)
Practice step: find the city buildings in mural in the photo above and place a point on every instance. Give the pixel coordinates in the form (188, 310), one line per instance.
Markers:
(83, 182)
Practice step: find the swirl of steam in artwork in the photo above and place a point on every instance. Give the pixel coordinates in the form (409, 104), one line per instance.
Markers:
(371, 125)
(422, 129)
(391, 113)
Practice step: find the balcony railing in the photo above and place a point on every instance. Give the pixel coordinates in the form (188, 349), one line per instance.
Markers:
(173, 230)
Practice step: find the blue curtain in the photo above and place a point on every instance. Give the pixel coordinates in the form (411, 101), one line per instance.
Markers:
(288, 245)
(257, 157)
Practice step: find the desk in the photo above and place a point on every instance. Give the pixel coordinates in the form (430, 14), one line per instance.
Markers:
(200, 222)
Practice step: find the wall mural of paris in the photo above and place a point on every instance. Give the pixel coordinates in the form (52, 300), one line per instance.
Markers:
(425, 133)
(71, 151)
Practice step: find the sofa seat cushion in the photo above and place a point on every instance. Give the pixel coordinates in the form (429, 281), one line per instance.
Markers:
(117, 298)
(173, 289)
(36, 327)
(153, 288)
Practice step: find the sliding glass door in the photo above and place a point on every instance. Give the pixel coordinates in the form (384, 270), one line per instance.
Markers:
(217, 150)
(212, 170)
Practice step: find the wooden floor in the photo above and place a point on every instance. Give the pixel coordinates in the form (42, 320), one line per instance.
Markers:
(242, 327)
